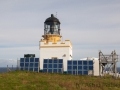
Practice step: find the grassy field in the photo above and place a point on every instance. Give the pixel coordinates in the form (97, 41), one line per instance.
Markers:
(23, 80)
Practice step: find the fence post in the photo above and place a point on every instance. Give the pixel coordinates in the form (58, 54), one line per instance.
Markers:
(12, 67)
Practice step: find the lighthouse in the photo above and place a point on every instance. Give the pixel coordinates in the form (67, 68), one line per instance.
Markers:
(51, 46)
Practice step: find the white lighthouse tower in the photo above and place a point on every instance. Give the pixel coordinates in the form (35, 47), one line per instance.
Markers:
(51, 46)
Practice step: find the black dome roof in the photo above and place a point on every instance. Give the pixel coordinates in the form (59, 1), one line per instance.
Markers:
(52, 19)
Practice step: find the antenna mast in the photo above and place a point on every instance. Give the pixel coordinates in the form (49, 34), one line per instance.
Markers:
(56, 14)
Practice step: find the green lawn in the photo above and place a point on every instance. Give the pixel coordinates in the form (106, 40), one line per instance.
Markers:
(23, 80)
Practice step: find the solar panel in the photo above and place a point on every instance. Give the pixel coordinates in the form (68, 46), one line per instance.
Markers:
(53, 65)
(29, 64)
(79, 67)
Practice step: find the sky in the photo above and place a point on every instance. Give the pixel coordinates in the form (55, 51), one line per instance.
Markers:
(91, 25)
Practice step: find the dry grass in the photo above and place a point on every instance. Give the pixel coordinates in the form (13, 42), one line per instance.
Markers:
(23, 80)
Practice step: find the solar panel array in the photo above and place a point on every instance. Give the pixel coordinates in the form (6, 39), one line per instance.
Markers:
(53, 65)
(75, 67)
(29, 64)
(79, 67)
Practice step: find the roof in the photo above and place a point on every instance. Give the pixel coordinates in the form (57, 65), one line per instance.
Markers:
(52, 19)
(89, 58)
(29, 55)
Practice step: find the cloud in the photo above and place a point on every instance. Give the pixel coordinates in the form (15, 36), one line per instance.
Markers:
(18, 52)
(9, 62)
(99, 36)
(90, 25)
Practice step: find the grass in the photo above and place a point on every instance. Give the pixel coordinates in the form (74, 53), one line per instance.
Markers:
(24, 80)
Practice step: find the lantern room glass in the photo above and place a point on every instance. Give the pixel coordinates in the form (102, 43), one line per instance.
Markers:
(52, 28)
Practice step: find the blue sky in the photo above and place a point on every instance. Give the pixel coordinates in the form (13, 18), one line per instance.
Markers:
(91, 25)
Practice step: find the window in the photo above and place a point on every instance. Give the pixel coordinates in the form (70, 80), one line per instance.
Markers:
(55, 70)
(36, 59)
(22, 64)
(55, 61)
(50, 70)
(74, 67)
(85, 72)
(59, 65)
(50, 61)
(35, 69)
(60, 61)
(45, 60)
(90, 62)
(26, 64)
(90, 67)
(55, 66)
(56, 27)
(31, 59)
(60, 70)
(79, 67)
(84, 62)
(36, 64)
(26, 59)
(80, 72)
(75, 72)
(50, 66)
(31, 64)
(74, 62)
(79, 62)
(21, 59)
(45, 66)
(70, 67)
(85, 68)
(47, 28)
(69, 62)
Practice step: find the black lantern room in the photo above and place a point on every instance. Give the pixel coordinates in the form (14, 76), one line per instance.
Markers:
(52, 25)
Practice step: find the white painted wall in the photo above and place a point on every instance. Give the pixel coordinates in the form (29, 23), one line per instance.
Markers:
(96, 67)
(47, 51)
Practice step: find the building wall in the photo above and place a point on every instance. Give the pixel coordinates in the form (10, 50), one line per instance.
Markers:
(61, 50)
(96, 67)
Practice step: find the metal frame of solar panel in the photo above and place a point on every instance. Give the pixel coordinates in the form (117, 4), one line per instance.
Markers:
(29, 64)
(79, 67)
(53, 65)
